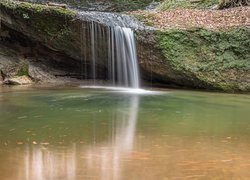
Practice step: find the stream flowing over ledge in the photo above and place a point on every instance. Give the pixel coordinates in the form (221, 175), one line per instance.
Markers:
(44, 43)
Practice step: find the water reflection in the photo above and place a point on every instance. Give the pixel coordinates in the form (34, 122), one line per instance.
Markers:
(98, 161)
(65, 135)
(108, 157)
(42, 163)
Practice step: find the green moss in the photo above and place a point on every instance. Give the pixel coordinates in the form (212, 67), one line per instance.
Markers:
(53, 27)
(204, 4)
(176, 4)
(49, 20)
(173, 4)
(130, 5)
(219, 59)
(147, 18)
(25, 7)
(23, 69)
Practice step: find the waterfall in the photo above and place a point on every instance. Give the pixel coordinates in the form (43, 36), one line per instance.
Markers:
(112, 47)
(126, 57)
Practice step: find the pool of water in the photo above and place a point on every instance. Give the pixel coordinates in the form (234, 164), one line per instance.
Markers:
(90, 133)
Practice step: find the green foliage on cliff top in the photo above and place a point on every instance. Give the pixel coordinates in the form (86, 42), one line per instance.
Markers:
(219, 59)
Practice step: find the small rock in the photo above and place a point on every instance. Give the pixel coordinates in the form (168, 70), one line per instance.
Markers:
(57, 5)
(18, 80)
(195, 1)
(152, 6)
(215, 7)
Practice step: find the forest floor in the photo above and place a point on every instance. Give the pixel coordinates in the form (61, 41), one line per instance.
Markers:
(190, 18)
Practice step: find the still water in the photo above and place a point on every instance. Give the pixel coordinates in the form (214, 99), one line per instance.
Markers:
(110, 135)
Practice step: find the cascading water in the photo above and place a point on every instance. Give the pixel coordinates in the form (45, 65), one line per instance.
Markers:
(112, 47)
(126, 57)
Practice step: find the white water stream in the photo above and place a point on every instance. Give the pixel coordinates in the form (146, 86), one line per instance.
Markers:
(113, 48)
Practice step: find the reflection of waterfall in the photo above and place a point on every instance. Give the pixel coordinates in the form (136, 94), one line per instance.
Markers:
(41, 163)
(99, 161)
(109, 157)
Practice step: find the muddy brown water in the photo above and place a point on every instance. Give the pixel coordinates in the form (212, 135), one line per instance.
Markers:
(75, 133)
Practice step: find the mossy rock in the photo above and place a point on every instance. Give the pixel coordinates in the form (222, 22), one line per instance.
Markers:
(102, 5)
(50, 20)
(25, 7)
(55, 27)
(219, 59)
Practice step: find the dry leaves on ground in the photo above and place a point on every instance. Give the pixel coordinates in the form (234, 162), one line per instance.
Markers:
(188, 18)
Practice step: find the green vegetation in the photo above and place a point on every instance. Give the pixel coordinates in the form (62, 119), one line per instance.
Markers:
(146, 17)
(50, 20)
(52, 27)
(201, 4)
(23, 69)
(221, 59)
(106, 5)
(25, 7)
(130, 5)
(175, 4)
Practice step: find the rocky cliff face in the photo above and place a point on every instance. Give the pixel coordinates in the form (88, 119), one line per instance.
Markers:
(101, 5)
(57, 38)
(49, 41)
(197, 58)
